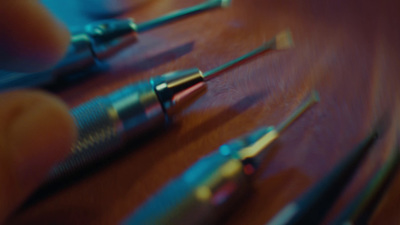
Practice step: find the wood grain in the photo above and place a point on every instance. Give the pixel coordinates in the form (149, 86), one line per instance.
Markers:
(347, 50)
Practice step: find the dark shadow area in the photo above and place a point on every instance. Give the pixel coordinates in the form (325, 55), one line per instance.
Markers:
(366, 215)
(162, 58)
(136, 67)
(272, 191)
(221, 118)
(54, 186)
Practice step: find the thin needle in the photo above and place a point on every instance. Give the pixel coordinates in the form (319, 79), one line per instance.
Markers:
(314, 98)
(257, 148)
(282, 40)
(181, 13)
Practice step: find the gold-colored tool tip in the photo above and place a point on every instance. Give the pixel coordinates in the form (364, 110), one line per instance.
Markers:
(284, 40)
(259, 146)
(225, 3)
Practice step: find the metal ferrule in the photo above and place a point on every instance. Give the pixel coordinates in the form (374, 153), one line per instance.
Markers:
(87, 48)
(97, 41)
(111, 36)
(79, 55)
(138, 109)
(176, 90)
(261, 140)
(107, 30)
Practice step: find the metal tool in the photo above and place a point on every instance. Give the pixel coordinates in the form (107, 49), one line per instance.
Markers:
(361, 208)
(311, 207)
(209, 189)
(106, 122)
(97, 41)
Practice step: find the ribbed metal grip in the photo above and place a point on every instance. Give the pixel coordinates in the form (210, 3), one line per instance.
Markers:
(107, 122)
(98, 125)
(97, 122)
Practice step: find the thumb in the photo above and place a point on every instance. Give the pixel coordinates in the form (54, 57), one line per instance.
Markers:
(36, 132)
(31, 39)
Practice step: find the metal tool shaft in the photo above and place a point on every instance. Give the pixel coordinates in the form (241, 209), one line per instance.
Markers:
(210, 188)
(311, 207)
(211, 73)
(181, 13)
(282, 40)
(361, 208)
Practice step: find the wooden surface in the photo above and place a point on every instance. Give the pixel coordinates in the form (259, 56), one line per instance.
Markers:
(347, 50)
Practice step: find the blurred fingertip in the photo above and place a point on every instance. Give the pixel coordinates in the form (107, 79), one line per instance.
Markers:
(40, 133)
(34, 40)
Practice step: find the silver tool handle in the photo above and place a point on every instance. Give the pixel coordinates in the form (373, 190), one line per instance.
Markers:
(204, 193)
(106, 122)
(97, 125)
(201, 195)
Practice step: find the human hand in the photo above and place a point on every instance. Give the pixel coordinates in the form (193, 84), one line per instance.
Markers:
(36, 130)
(108, 7)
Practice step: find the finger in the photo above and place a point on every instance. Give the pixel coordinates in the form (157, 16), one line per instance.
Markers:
(31, 39)
(108, 7)
(36, 132)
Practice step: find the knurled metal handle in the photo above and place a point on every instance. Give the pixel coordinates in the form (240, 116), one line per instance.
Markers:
(98, 134)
